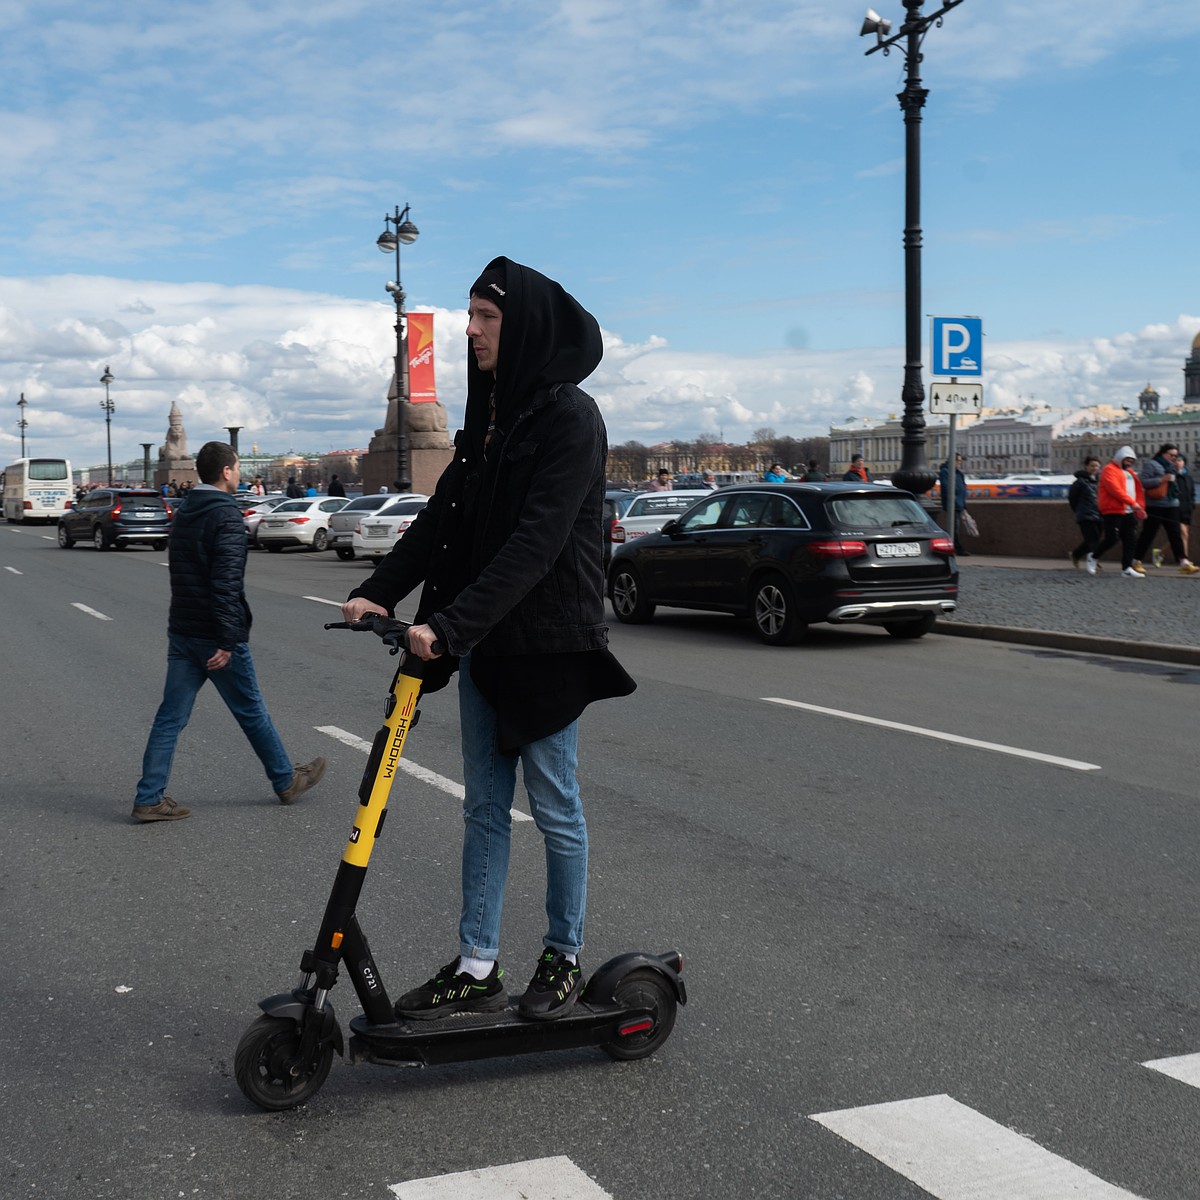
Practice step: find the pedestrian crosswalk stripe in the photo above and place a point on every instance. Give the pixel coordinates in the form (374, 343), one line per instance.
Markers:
(1185, 1068)
(956, 1153)
(424, 774)
(555, 1178)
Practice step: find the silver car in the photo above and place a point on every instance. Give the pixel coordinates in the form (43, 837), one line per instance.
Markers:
(342, 524)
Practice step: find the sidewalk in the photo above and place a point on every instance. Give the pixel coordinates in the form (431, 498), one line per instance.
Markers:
(1043, 602)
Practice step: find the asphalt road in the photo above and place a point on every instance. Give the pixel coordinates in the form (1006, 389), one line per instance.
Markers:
(869, 915)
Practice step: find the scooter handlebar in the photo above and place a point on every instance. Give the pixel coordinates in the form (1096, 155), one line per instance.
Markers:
(388, 628)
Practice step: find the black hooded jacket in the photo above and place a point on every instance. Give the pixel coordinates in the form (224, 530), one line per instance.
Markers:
(207, 558)
(509, 546)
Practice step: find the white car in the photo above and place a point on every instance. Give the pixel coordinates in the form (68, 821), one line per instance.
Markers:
(650, 511)
(342, 526)
(253, 511)
(303, 522)
(377, 533)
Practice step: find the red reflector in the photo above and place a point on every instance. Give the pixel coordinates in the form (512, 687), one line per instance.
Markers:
(635, 1027)
(27, 504)
(840, 548)
(942, 545)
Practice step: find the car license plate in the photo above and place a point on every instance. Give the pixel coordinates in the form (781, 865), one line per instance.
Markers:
(374, 532)
(898, 549)
(273, 524)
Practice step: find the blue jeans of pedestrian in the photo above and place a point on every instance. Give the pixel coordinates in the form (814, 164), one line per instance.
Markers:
(238, 687)
(548, 767)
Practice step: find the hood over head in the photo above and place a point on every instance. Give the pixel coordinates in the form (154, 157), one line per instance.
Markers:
(546, 337)
(1123, 452)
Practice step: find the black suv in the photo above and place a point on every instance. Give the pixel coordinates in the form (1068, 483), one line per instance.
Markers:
(786, 555)
(116, 517)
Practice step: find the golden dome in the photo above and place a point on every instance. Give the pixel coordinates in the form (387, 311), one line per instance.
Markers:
(1196, 342)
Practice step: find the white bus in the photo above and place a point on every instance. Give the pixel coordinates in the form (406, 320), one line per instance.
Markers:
(37, 489)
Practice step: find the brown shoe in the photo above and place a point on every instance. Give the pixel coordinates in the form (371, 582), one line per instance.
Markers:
(305, 777)
(165, 810)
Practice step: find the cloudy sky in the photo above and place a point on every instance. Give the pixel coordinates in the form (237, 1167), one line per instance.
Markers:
(192, 193)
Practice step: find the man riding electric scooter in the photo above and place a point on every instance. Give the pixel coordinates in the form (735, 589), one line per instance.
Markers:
(509, 551)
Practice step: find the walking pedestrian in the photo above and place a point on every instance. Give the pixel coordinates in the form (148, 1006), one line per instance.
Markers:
(207, 634)
(1121, 500)
(1159, 482)
(1083, 501)
(661, 483)
(858, 472)
(960, 499)
(509, 550)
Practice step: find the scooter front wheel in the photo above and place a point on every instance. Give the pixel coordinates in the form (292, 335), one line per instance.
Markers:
(639, 1037)
(266, 1069)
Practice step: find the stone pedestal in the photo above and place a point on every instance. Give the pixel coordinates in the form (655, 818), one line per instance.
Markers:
(429, 447)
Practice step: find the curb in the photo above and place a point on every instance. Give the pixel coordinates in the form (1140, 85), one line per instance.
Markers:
(1080, 642)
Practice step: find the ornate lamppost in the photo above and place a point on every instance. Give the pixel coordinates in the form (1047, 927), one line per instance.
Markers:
(389, 241)
(914, 473)
(22, 424)
(109, 409)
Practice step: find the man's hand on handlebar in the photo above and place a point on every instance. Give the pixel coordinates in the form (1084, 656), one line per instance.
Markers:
(421, 640)
(359, 607)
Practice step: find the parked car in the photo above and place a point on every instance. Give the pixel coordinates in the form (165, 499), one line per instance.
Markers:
(302, 522)
(376, 534)
(787, 555)
(341, 524)
(616, 501)
(117, 517)
(648, 512)
(254, 509)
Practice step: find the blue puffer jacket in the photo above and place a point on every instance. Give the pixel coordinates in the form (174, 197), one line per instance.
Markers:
(208, 567)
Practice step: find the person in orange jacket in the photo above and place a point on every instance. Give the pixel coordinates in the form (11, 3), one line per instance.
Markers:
(1122, 503)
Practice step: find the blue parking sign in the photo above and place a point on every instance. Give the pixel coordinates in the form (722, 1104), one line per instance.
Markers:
(957, 347)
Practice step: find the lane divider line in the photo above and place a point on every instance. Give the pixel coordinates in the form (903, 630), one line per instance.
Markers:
(91, 612)
(424, 774)
(14, 570)
(1053, 759)
(956, 1153)
(1185, 1068)
(322, 600)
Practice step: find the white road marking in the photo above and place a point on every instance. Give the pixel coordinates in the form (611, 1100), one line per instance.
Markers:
(956, 1153)
(320, 600)
(417, 772)
(1185, 1068)
(91, 612)
(555, 1178)
(1053, 759)
(47, 538)
(14, 570)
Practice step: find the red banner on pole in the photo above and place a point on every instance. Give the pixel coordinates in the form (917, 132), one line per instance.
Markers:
(421, 386)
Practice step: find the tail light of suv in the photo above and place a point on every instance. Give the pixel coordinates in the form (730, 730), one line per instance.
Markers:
(941, 545)
(838, 548)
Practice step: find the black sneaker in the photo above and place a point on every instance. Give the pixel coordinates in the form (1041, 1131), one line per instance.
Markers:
(451, 991)
(554, 988)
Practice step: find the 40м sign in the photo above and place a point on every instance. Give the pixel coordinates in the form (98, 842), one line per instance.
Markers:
(956, 346)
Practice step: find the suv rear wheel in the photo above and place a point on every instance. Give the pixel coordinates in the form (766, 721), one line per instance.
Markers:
(773, 609)
(65, 540)
(98, 538)
(911, 629)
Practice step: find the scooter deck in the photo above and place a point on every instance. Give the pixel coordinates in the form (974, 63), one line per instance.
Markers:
(461, 1037)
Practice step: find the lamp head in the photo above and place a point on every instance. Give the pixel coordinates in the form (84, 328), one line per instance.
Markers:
(386, 241)
(407, 232)
(107, 377)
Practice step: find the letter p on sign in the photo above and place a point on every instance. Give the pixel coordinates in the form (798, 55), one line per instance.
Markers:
(957, 347)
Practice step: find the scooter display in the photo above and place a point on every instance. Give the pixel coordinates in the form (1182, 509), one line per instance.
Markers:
(627, 1007)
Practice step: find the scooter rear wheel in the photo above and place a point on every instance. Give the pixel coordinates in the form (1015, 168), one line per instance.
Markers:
(263, 1065)
(644, 989)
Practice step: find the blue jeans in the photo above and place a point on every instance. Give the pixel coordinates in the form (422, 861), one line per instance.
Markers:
(238, 687)
(548, 766)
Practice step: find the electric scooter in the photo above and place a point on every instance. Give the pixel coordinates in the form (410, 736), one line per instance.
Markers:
(627, 1007)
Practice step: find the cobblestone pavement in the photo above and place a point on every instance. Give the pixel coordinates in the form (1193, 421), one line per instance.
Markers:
(1037, 594)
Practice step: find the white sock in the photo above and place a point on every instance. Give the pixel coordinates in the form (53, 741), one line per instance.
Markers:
(571, 958)
(477, 968)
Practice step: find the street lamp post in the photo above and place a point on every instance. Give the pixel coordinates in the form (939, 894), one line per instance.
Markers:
(234, 430)
(388, 241)
(914, 473)
(22, 424)
(109, 408)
